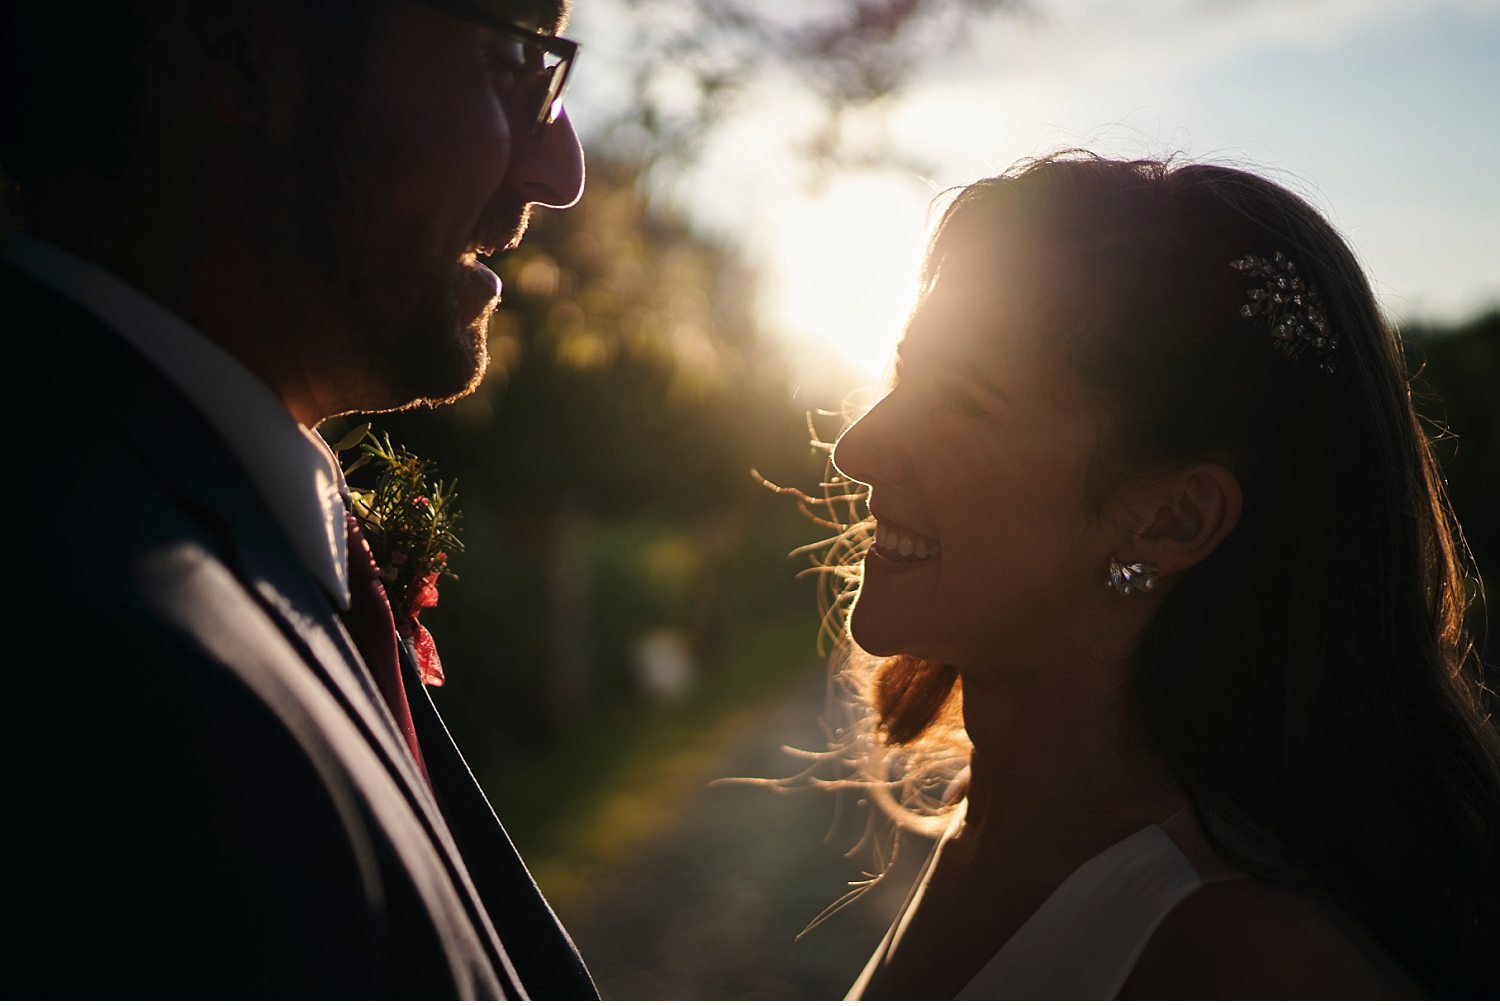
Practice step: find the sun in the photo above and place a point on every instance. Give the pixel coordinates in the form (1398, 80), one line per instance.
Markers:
(843, 274)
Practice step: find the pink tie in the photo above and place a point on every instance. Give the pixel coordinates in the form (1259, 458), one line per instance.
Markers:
(370, 622)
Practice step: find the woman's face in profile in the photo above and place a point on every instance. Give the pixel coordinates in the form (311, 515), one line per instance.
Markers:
(984, 548)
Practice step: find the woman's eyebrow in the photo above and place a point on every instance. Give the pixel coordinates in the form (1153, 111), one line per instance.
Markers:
(979, 377)
(956, 363)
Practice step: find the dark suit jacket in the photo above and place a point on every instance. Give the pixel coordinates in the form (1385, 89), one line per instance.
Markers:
(214, 800)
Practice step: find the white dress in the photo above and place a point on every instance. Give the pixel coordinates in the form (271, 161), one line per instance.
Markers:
(1086, 938)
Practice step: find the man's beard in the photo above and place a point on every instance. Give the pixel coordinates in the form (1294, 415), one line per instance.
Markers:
(414, 329)
(422, 348)
(407, 339)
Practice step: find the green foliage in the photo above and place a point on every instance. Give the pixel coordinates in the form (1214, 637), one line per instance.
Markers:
(627, 350)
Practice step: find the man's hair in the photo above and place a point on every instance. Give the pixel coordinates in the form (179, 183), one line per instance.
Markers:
(71, 91)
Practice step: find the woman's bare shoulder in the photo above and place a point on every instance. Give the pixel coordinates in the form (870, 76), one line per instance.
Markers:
(1247, 938)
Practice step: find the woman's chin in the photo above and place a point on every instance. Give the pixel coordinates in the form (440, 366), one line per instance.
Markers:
(873, 633)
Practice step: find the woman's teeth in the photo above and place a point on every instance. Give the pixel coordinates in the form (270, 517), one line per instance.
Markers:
(904, 545)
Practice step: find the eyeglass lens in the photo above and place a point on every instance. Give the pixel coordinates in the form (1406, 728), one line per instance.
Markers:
(551, 75)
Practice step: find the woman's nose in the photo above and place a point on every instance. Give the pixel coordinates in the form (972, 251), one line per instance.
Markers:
(867, 453)
(546, 168)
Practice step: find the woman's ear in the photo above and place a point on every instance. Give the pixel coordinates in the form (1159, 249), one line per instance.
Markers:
(1179, 518)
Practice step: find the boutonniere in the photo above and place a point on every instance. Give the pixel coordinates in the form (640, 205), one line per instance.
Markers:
(412, 527)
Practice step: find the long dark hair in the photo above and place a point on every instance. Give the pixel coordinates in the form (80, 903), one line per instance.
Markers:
(1311, 684)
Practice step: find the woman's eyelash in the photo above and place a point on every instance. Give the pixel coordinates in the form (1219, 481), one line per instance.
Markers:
(937, 388)
(955, 397)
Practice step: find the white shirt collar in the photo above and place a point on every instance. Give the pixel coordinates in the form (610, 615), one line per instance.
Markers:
(290, 466)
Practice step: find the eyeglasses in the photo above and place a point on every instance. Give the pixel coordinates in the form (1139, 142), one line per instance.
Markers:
(546, 60)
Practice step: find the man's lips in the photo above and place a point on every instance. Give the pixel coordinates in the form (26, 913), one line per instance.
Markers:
(483, 278)
(900, 544)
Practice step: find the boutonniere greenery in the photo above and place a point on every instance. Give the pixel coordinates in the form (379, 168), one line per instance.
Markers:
(412, 527)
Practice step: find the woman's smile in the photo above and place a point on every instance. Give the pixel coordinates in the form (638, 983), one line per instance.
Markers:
(898, 544)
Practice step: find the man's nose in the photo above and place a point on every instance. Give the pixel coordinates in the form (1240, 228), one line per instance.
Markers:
(546, 168)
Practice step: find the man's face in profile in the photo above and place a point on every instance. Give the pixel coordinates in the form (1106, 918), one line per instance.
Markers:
(411, 163)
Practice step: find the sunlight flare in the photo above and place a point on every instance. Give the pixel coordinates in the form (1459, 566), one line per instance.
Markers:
(845, 276)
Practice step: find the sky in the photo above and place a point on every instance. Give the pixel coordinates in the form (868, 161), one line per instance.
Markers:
(1384, 113)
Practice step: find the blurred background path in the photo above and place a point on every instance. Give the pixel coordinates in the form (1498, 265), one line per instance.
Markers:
(710, 904)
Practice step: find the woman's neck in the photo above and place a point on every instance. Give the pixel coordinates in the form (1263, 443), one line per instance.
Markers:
(1054, 760)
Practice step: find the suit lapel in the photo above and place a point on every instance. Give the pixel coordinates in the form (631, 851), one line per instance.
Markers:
(195, 466)
(550, 964)
(328, 648)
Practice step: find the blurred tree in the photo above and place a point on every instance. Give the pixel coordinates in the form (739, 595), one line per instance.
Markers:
(694, 61)
(604, 467)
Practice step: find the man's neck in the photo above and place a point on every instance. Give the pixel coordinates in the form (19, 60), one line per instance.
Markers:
(211, 282)
(291, 468)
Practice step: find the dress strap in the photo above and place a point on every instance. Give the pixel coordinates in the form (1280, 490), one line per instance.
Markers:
(1182, 828)
(908, 909)
(1085, 939)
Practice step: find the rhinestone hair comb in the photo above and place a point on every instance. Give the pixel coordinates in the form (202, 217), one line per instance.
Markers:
(1298, 321)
